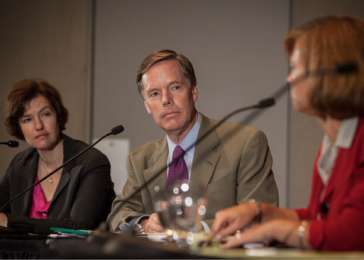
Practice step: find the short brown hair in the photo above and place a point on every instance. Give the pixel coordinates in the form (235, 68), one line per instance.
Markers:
(163, 55)
(326, 43)
(22, 93)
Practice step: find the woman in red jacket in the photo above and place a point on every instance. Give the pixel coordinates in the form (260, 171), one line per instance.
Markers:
(334, 218)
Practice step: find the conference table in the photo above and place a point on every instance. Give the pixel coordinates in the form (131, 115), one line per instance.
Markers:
(109, 245)
(278, 253)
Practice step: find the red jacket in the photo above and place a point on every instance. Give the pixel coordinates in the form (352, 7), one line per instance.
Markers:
(337, 221)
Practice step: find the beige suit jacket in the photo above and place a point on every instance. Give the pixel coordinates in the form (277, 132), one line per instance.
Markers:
(233, 163)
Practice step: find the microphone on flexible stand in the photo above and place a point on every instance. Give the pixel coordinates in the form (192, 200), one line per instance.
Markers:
(341, 69)
(11, 143)
(116, 130)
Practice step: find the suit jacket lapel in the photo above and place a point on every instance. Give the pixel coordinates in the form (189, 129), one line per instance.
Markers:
(65, 178)
(206, 156)
(157, 161)
(340, 174)
(68, 152)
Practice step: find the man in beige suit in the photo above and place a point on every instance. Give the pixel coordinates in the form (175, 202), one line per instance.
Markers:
(231, 169)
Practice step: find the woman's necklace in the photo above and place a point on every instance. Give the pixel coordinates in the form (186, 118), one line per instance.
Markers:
(57, 154)
(45, 171)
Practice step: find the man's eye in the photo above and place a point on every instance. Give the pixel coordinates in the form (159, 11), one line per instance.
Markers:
(154, 94)
(175, 87)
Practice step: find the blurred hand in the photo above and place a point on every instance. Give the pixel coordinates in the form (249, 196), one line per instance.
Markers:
(280, 230)
(3, 220)
(152, 224)
(229, 220)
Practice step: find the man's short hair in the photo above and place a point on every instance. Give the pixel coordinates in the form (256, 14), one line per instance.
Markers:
(163, 55)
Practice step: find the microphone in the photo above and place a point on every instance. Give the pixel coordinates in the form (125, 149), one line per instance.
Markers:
(343, 69)
(267, 102)
(347, 68)
(11, 143)
(340, 69)
(116, 130)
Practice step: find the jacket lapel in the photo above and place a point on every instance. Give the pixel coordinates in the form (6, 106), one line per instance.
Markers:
(206, 156)
(155, 164)
(68, 152)
(65, 178)
(341, 173)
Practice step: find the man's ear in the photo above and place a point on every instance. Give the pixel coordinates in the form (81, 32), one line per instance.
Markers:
(147, 107)
(194, 93)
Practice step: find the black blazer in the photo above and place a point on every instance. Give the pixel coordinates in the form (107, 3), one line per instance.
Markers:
(82, 199)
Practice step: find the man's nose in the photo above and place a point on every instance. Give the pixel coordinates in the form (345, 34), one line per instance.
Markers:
(167, 97)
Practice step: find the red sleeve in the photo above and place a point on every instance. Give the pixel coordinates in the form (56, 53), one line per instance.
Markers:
(307, 213)
(345, 229)
(303, 213)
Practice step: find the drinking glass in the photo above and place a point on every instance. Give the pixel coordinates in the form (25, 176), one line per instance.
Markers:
(181, 212)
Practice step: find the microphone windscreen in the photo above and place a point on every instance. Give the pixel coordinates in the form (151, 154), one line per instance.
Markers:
(267, 102)
(347, 68)
(13, 143)
(117, 130)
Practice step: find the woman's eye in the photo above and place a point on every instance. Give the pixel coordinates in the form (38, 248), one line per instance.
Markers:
(48, 113)
(25, 120)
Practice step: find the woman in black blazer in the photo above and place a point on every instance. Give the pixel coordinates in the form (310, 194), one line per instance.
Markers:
(77, 196)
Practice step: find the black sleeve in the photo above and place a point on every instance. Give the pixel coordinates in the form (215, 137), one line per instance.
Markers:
(95, 195)
(5, 188)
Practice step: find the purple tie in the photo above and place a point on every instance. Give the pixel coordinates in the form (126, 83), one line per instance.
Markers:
(177, 171)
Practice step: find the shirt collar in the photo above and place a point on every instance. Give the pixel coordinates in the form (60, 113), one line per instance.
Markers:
(190, 138)
(345, 134)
